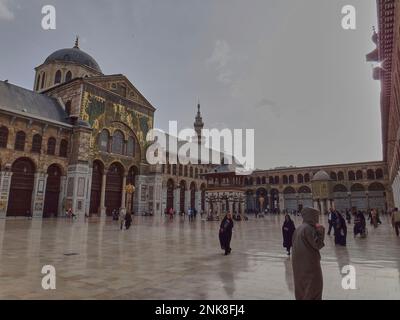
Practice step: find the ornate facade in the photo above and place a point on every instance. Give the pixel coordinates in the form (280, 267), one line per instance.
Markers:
(78, 140)
(387, 55)
(75, 142)
(361, 185)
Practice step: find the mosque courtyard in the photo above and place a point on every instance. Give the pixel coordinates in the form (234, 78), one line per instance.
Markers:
(162, 259)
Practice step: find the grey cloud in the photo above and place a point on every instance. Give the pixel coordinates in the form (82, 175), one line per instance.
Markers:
(5, 11)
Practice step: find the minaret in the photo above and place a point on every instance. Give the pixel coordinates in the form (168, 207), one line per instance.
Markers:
(76, 46)
(198, 126)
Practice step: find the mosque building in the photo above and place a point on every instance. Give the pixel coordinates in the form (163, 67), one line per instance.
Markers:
(78, 140)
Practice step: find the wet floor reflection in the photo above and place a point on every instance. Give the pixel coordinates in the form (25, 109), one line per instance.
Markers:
(162, 259)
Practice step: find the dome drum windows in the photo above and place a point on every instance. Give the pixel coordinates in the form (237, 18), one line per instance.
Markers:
(57, 78)
(68, 76)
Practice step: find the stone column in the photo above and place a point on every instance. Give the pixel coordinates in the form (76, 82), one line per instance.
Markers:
(177, 197)
(123, 196)
(5, 183)
(61, 200)
(323, 206)
(282, 201)
(39, 190)
(103, 195)
(267, 204)
(187, 199)
(316, 207)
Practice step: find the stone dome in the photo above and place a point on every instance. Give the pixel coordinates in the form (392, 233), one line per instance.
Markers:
(75, 55)
(321, 175)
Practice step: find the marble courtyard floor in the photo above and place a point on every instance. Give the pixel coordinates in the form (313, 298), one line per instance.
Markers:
(160, 259)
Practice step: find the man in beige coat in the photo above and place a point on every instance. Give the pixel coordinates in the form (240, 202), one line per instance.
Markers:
(308, 239)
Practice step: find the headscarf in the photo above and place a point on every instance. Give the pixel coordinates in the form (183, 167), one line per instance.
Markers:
(310, 216)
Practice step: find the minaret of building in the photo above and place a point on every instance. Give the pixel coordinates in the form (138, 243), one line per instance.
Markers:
(199, 125)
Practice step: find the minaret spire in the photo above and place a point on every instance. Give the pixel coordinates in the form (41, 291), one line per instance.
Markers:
(198, 123)
(76, 42)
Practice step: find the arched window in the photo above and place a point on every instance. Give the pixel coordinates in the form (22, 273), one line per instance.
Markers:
(3, 137)
(168, 168)
(130, 147)
(118, 142)
(307, 177)
(20, 141)
(64, 148)
(196, 173)
(43, 80)
(174, 169)
(57, 78)
(333, 176)
(185, 171)
(276, 180)
(291, 179)
(37, 143)
(191, 172)
(300, 178)
(51, 146)
(37, 82)
(285, 180)
(352, 176)
(340, 176)
(271, 180)
(264, 180)
(379, 174)
(258, 181)
(68, 108)
(359, 175)
(104, 138)
(68, 76)
(180, 170)
(370, 174)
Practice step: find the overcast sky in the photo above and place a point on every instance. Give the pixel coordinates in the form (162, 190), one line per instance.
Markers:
(285, 68)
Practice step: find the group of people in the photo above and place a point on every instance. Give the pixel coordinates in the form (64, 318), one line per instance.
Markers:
(125, 219)
(307, 240)
(191, 213)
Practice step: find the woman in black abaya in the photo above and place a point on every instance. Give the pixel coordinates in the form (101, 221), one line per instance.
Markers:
(288, 229)
(225, 233)
(340, 230)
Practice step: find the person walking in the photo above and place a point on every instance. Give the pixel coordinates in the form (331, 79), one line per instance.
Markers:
(225, 233)
(348, 216)
(359, 224)
(171, 213)
(122, 219)
(128, 220)
(340, 230)
(288, 229)
(308, 240)
(396, 220)
(331, 220)
(374, 218)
